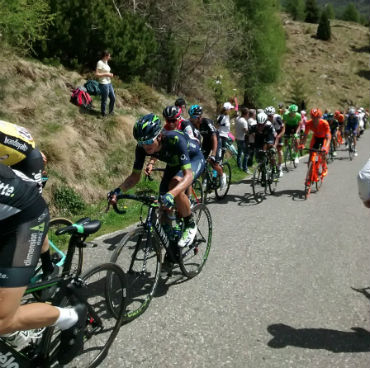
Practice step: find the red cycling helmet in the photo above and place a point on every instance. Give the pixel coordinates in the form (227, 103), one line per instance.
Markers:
(315, 112)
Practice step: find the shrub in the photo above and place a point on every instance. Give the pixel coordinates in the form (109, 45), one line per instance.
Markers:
(67, 200)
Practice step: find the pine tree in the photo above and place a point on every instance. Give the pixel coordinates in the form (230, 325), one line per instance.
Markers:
(350, 13)
(329, 9)
(312, 11)
(323, 30)
(296, 9)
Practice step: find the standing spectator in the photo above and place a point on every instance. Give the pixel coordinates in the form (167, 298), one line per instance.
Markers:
(223, 121)
(181, 103)
(106, 88)
(251, 137)
(241, 129)
(363, 180)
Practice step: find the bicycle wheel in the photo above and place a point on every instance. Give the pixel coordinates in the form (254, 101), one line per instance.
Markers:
(140, 257)
(196, 195)
(309, 180)
(102, 287)
(273, 178)
(259, 184)
(193, 257)
(287, 156)
(351, 151)
(293, 154)
(319, 171)
(220, 194)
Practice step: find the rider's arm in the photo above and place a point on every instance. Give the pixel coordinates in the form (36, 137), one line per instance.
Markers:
(214, 145)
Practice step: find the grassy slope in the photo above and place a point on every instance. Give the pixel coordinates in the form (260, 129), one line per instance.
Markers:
(335, 73)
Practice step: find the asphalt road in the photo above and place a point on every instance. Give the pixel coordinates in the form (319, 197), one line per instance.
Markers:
(287, 283)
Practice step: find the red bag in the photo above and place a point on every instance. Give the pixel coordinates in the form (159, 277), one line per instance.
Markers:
(81, 98)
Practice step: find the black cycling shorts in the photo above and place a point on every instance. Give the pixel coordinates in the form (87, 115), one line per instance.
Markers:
(318, 143)
(22, 236)
(290, 130)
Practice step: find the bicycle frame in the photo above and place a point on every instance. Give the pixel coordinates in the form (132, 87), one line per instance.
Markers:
(313, 175)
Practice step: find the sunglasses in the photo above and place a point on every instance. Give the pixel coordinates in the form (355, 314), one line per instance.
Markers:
(146, 142)
(171, 120)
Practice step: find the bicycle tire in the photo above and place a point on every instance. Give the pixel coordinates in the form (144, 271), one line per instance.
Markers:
(142, 265)
(97, 337)
(286, 157)
(319, 171)
(350, 148)
(273, 178)
(308, 180)
(221, 194)
(259, 189)
(193, 258)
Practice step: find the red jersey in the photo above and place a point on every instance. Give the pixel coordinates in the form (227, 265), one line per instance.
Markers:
(321, 130)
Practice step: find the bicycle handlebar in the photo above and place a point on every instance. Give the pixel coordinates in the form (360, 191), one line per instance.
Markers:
(150, 178)
(147, 200)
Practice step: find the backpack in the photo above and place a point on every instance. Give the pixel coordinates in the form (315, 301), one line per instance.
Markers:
(219, 119)
(92, 87)
(81, 98)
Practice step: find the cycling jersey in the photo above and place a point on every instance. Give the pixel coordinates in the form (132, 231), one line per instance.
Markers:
(321, 131)
(278, 123)
(352, 124)
(292, 121)
(176, 150)
(264, 135)
(15, 143)
(334, 124)
(187, 127)
(24, 220)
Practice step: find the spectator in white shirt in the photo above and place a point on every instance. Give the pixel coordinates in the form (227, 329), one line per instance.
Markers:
(241, 129)
(363, 181)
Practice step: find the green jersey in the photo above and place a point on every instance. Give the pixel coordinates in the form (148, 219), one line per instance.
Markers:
(292, 121)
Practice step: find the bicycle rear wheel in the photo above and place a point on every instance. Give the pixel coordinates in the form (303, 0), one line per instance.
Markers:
(351, 151)
(309, 180)
(287, 156)
(103, 288)
(273, 178)
(193, 257)
(220, 194)
(140, 258)
(259, 183)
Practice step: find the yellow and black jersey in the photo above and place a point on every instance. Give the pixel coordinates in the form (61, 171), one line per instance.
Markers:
(16, 143)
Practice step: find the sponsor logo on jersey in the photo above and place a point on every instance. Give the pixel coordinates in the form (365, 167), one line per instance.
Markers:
(6, 190)
(3, 276)
(16, 144)
(7, 360)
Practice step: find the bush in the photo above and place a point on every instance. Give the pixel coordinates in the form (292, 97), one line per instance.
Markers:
(323, 30)
(67, 200)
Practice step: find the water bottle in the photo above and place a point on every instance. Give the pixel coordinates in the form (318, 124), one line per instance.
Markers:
(214, 174)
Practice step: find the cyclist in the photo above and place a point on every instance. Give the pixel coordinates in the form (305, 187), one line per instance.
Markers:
(340, 118)
(24, 218)
(321, 135)
(351, 125)
(334, 124)
(279, 127)
(292, 120)
(211, 143)
(18, 150)
(174, 121)
(264, 134)
(185, 162)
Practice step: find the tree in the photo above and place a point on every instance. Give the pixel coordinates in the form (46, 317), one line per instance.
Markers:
(296, 9)
(323, 30)
(312, 11)
(329, 10)
(298, 94)
(24, 22)
(351, 14)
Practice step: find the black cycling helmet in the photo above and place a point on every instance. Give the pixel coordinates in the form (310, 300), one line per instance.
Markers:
(171, 112)
(195, 111)
(180, 102)
(147, 128)
(330, 116)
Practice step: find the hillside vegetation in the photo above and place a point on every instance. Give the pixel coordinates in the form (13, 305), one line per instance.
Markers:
(88, 155)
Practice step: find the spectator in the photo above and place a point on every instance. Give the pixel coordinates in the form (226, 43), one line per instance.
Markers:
(241, 129)
(181, 103)
(105, 85)
(250, 142)
(363, 181)
(223, 121)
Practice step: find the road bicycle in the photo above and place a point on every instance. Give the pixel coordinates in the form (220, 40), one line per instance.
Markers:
(265, 174)
(140, 250)
(315, 173)
(211, 181)
(289, 152)
(351, 145)
(331, 156)
(101, 289)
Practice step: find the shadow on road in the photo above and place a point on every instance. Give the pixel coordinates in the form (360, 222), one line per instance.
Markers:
(294, 194)
(357, 340)
(364, 291)
(114, 240)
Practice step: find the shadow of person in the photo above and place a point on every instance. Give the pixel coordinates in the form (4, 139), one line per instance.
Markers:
(294, 194)
(357, 340)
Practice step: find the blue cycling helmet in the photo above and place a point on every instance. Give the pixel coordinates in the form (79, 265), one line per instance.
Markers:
(147, 128)
(195, 111)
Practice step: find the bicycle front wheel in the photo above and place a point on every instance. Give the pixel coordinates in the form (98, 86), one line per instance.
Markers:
(351, 150)
(193, 257)
(309, 180)
(139, 255)
(273, 178)
(103, 289)
(220, 194)
(259, 184)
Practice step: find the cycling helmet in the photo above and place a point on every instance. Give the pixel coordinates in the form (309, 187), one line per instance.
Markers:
(303, 112)
(316, 112)
(261, 118)
(195, 111)
(147, 128)
(330, 116)
(336, 114)
(180, 102)
(351, 111)
(171, 112)
(270, 111)
(293, 108)
(281, 105)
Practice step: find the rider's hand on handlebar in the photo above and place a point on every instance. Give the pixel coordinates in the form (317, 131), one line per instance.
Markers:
(148, 169)
(168, 200)
(112, 196)
(211, 158)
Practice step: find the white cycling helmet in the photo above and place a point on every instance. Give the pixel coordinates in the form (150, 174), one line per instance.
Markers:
(303, 112)
(261, 118)
(270, 110)
(351, 111)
